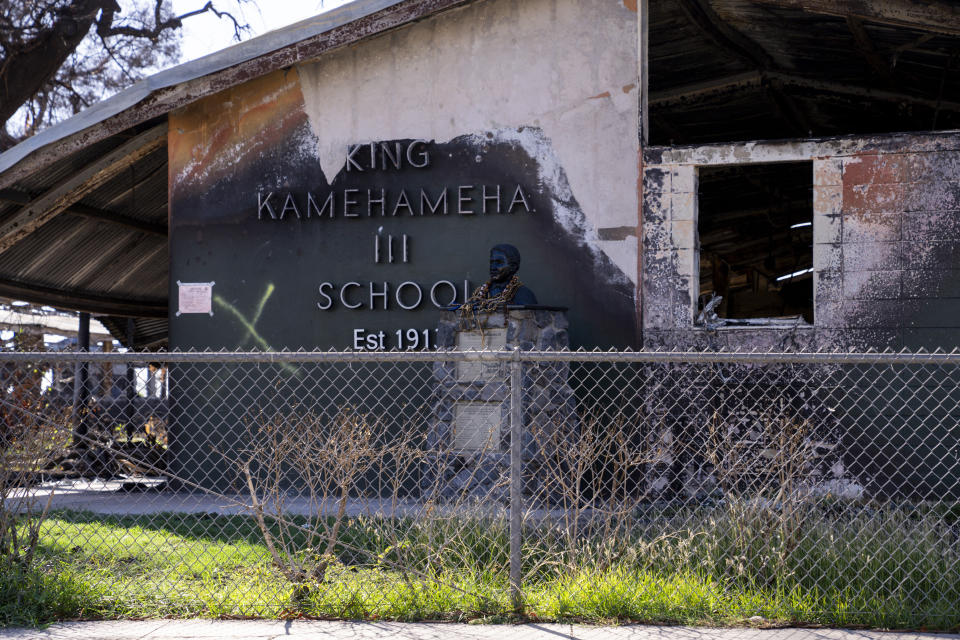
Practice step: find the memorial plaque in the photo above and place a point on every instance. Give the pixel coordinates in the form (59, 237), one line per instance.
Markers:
(489, 339)
(476, 426)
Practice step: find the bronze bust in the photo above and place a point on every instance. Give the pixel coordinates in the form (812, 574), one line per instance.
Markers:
(503, 287)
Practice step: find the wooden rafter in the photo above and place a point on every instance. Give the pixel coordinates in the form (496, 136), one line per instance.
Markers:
(93, 213)
(705, 90)
(724, 36)
(750, 53)
(938, 16)
(788, 109)
(68, 192)
(880, 66)
(732, 84)
(846, 88)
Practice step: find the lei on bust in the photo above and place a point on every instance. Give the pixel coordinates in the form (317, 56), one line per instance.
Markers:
(482, 302)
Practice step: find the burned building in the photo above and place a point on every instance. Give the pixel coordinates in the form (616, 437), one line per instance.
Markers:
(825, 225)
(690, 174)
(702, 173)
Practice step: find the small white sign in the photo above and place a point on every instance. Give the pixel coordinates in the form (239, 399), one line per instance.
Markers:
(195, 297)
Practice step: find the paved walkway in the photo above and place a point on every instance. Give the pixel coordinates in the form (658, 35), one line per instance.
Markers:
(311, 630)
(106, 497)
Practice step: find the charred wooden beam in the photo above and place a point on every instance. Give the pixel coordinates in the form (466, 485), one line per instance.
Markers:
(724, 36)
(68, 192)
(846, 88)
(789, 110)
(705, 90)
(81, 300)
(731, 84)
(93, 213)
(937, 16)
(750, 53)
(881, 67)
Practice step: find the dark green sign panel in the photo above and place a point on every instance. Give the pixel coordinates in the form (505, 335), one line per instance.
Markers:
(368, 260)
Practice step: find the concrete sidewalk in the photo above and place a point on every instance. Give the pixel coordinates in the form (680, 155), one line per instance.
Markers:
(316, 630)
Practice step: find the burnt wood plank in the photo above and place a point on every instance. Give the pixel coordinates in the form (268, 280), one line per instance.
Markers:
(59, 198)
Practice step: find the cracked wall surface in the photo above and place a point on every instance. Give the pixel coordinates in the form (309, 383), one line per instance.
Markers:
(566, 68)
(537, 97)
(886, 254)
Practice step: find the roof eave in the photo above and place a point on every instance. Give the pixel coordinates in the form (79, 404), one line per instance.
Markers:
(178, 86)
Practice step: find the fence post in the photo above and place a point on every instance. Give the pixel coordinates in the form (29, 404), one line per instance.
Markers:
(81, 384)
(129, 410)
(516, 479)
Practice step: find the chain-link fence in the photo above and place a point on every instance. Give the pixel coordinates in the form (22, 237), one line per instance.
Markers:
(647, 486)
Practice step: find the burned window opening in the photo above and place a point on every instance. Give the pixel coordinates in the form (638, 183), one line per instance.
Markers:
(755, 241)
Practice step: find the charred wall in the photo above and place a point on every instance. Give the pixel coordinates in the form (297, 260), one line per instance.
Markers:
(514, 121)
(886, 260)
(886, 244)
(507, 121)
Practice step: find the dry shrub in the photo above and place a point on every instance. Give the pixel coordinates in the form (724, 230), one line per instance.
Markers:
(32, 435)
(591, 473)
(325, 461)
(765, 484)
(377, 499)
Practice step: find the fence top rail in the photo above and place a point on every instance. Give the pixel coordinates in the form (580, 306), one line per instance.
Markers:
(636, 357)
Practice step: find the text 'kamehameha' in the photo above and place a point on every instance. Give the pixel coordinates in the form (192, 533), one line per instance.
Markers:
(462, 199)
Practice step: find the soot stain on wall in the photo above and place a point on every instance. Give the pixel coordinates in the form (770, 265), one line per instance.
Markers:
(276, 266)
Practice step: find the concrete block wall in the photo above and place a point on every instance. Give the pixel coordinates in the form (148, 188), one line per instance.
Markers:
(670, 259)
(886, 248)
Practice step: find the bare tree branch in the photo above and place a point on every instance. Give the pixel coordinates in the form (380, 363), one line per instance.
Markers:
(59, 56)
(106, 28)
(119, 63)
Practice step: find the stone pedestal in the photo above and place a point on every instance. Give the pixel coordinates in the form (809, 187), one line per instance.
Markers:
(470, 428)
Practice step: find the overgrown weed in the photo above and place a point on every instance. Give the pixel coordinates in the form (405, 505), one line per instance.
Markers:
(884, 568)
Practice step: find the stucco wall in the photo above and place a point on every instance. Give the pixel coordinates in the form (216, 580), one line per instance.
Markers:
(886, 254)
(538, 95)
(567, 67)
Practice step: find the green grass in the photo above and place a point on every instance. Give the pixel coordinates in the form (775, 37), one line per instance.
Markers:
(896, 569)
(35, 597)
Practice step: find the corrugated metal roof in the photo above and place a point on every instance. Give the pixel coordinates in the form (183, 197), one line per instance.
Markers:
(86, 255)
(140, 192)
(148, 333)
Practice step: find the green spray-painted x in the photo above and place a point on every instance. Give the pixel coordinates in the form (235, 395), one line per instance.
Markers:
(251, 324)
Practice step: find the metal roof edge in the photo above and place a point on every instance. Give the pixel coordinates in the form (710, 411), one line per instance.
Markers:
(204, 66)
